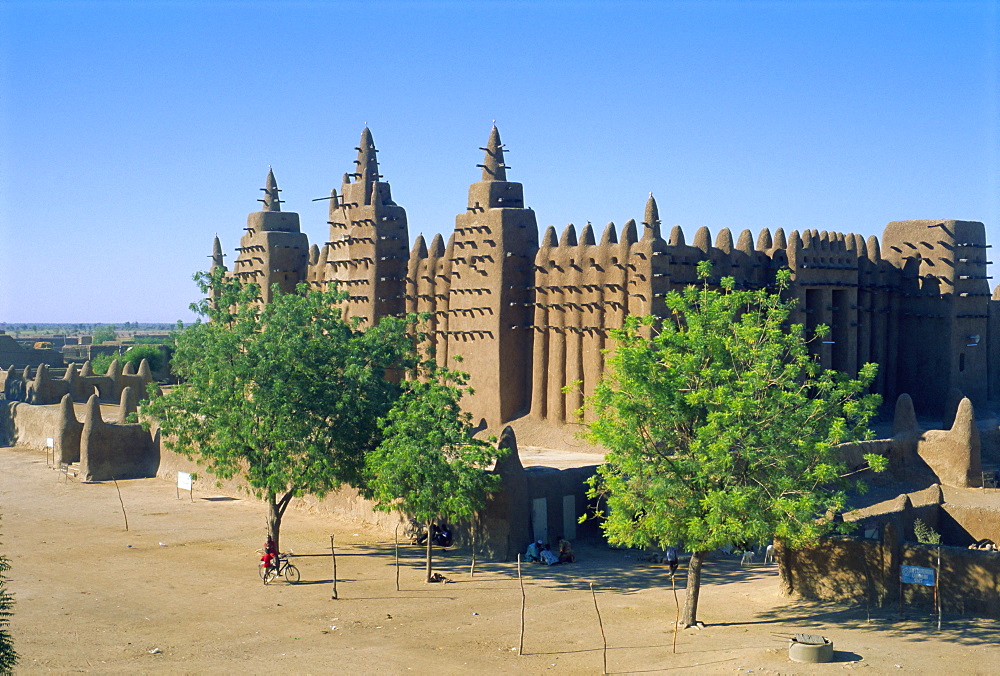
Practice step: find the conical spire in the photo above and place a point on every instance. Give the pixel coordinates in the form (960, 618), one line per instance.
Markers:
(764, 241)
(779, 239)
(610, 235)
(652, 215)
(271, 200)
(493, 165)
(549, 239)
(874, 250)
(629, 235)
(724, 240)
(437, 246)
(367, 171)
(703, 239)
(419, 248)
(217, 255)
(587, 235)
(568, 237)
(745, 242)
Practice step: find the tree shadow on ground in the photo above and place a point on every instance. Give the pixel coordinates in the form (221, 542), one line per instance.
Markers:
(916, 624)
(620, 571)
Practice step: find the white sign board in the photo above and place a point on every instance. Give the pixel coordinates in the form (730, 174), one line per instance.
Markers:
(917, 575)
(49, 442)
(184, 481)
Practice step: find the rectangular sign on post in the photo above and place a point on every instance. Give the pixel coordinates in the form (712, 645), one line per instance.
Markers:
(184, 483)
(917, 575)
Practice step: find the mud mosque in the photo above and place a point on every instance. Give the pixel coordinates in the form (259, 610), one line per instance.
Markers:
(531, 315)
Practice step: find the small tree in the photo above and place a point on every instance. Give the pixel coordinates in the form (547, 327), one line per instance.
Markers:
(104, 334)
(428, 464)
(8, 656)
(720, 427)
(925, 534)
(134, 355)
(284, 396)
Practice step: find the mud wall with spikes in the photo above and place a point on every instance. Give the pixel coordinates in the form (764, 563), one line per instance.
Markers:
(42, 388)
(105, 449)
(928, 332)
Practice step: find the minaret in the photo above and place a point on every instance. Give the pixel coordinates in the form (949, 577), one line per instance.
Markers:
(489, 310)
(217, 256)
(271, 200)
(651, 219)
(369, 241)
(273, 250)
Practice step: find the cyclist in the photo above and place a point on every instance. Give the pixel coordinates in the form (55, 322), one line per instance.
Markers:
(270, 557)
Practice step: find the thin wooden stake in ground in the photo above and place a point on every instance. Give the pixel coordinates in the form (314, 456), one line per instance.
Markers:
(472, 568)
(121, 501)
(938, 601)
(677, 609)
(396, 537)
(601, 624)
(333, 553)
(520, 643)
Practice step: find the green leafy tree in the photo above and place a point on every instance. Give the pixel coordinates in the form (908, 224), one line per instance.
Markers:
(134, 355)
(721, 427)
(285, 397)
(429, 465)
(104, 334)
(8, 656)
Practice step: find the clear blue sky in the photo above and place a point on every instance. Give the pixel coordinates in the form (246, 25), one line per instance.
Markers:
(132, 132)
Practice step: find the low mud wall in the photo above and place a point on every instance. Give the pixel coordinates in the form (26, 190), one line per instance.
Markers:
(31, 426)
(861, 571)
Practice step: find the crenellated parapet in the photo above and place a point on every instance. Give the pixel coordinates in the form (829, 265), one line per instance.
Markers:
(41, 387)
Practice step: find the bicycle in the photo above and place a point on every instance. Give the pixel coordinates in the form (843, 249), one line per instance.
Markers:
(281, 567)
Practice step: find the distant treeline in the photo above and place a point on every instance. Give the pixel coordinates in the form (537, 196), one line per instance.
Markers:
(88, 329)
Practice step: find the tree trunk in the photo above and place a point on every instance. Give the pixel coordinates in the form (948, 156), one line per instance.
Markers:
(275, 510)
(430, 547)
(689, 617)
(783, 555)
(273, 521)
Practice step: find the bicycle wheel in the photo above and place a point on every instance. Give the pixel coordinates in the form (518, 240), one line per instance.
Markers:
(262, 570)
(291, 574)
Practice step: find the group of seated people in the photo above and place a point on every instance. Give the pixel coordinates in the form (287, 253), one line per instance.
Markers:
(539, 552)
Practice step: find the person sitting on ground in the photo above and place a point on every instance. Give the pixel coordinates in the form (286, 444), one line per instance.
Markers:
(548, 558)
(566, 554)
(534, 553)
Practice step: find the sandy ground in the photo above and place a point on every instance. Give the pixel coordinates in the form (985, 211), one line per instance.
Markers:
(179, 593)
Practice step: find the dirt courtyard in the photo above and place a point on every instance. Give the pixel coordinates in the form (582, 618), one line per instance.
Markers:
(179, 593)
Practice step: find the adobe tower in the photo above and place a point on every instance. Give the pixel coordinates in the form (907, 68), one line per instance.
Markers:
(273, 250)
(369, 242)
(488, 315)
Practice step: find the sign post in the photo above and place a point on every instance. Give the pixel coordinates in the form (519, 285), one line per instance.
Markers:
(916, 575)
(184, 483)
